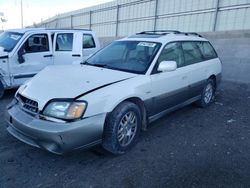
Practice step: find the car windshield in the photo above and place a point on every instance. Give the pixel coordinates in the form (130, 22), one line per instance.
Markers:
(8, 40)
(128, 56)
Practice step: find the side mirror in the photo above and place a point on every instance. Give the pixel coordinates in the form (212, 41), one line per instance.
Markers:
(20, 54)
(167, 66)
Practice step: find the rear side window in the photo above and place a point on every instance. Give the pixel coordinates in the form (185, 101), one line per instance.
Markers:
(88, 41)
(192, 53)
(207, 50)
(64, 42)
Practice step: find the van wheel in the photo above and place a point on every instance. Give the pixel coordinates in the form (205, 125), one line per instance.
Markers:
(122, 128)
(208, 94)
(1, 90)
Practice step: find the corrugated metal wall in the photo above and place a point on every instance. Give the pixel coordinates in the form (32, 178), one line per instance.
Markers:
(125, 17)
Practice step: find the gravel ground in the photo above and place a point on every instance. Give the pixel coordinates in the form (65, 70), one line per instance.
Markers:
(191, 147)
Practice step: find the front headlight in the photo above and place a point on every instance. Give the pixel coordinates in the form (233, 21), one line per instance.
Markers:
(65, 110)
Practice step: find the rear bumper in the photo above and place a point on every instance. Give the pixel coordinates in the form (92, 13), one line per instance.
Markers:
(54, 137)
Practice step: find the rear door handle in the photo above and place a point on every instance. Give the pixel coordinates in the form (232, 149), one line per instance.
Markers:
(76, 55)
(50, 55)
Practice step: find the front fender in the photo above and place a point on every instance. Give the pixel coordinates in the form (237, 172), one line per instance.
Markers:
(106, 99)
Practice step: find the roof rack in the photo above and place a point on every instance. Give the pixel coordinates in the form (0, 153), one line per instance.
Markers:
(159, 32)
(190, 33)
(166, 32)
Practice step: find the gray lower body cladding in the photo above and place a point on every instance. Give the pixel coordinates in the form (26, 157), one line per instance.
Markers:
(57, 138)
(162, 104)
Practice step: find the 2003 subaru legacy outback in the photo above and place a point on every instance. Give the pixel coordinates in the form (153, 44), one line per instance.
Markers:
(115, 93)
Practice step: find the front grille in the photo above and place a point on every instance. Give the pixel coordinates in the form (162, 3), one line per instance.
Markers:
(27, 104)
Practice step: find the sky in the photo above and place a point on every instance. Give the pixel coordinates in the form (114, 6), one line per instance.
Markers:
(36, 10)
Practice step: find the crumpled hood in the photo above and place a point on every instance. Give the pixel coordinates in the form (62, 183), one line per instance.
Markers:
(68, 81)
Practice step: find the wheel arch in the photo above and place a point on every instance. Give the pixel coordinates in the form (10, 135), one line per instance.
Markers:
(139, 102)
(213, 77)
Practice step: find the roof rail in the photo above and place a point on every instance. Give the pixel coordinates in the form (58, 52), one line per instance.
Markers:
(159, 32)
(165, 32)
(190, 33)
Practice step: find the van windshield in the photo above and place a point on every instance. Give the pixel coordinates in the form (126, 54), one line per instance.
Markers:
(128, 56)
(8, 40)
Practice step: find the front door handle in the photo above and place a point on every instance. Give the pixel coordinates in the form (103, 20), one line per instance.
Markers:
(76, 55)
(50, 55)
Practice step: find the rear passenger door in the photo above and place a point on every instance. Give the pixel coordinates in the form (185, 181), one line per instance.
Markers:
(169, 88)
(196, 68)
(67, 48)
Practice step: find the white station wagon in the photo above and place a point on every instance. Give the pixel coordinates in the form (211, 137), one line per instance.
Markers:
(112, 96)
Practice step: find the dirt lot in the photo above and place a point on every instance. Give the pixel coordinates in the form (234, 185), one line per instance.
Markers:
(191, 147)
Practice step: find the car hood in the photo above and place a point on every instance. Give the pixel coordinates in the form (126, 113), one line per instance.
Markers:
(69, 81)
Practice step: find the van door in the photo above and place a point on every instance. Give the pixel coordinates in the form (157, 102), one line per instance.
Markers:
(34, 54)
(67, 48)
(169, 88)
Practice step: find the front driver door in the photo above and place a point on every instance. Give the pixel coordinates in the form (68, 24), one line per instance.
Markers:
(32, 56)
(169, 88)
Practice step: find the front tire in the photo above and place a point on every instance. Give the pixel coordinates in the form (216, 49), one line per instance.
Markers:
(122, 128)
(208, 94)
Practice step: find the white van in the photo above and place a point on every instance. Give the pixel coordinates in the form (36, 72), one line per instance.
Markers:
(25, 52)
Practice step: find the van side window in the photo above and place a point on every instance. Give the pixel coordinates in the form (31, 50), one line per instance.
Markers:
(64, 42)
(88, 41)
(172, 52)
(207, 50)
(37, 43)
(192, 53)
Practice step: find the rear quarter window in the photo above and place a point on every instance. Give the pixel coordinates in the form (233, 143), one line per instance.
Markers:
(207, 50)
(88, 41)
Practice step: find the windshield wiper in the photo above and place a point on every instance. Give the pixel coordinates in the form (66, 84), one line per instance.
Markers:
(95, 64)
(101, 65)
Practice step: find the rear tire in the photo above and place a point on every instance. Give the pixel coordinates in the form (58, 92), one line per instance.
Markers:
(1, 90)
(122, 128)
(208, 94)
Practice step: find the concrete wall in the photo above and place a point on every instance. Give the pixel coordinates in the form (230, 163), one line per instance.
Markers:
(125, 17)
(233, 48)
